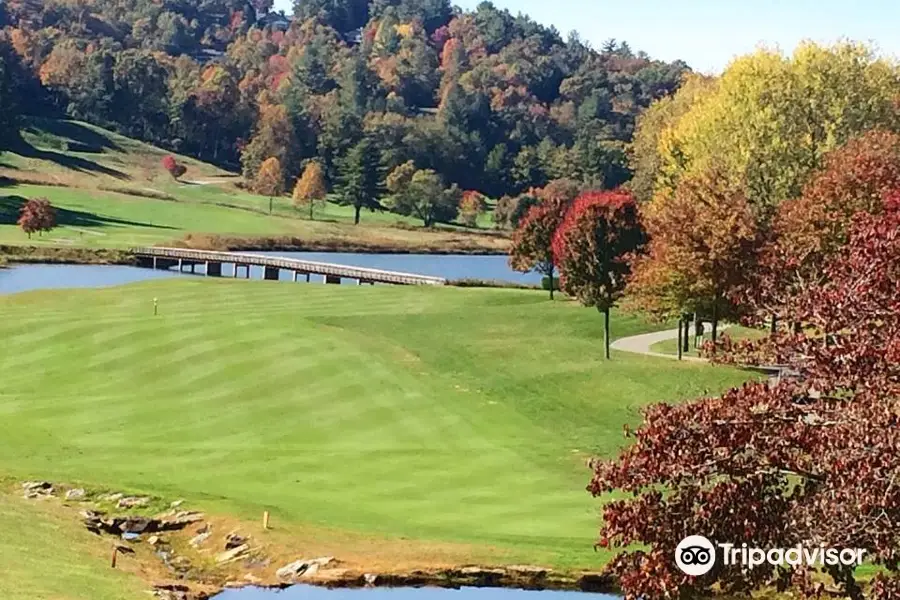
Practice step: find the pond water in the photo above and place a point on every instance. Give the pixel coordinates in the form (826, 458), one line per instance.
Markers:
(42, 277)
(37, 277)
(449, 266)
(309, 592)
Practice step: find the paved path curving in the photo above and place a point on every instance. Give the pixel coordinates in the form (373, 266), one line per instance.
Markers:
(641, 344)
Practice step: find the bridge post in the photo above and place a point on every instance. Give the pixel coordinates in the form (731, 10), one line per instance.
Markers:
(295, 276)
(213, 269)
(180, 265)
(193, 266)
(307, 277)
(154, 264)
(270, 273)
(332, 279)
(235, 273)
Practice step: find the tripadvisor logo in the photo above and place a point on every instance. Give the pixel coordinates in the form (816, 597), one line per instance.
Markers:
(696, 555)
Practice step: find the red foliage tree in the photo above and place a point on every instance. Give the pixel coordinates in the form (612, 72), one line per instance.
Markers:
(811, 460)
(532, 247)
(592, 248)
(175, 169)
(37, 216)
(808, 231)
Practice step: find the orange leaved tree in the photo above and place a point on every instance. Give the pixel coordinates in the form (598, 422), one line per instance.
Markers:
(703, 244)
(310, 189)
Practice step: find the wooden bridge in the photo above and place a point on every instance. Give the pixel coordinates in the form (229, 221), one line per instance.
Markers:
(166, 258)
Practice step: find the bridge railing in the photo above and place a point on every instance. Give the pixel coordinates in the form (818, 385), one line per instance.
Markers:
(291, 264)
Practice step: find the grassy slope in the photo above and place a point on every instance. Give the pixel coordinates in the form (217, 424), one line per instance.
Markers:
(446, 415)
(45, 554)
(100, 182)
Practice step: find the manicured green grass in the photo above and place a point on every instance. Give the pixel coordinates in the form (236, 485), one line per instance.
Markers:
(48, 555)
(434, 414)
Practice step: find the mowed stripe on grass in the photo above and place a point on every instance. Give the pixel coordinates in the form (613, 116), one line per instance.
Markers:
(454, 415)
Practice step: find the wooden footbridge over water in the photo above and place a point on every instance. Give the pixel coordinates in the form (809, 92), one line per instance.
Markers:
(167, 258)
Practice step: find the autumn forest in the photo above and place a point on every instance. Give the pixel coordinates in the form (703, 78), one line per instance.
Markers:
(481, 100)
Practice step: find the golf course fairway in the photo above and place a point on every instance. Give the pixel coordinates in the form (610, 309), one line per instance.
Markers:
(422, 415)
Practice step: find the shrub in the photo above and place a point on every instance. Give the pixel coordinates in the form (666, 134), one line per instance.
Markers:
(175, 169)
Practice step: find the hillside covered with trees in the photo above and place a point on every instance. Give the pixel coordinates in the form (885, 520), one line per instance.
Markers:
(456, 100)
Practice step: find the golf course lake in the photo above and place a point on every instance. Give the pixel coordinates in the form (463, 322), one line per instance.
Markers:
(23, 278)
(309, 592)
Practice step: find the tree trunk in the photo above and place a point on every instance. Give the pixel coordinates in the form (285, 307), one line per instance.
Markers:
(606, 333)
(311, 209)
(698, 331)
(715, 322)
(773, 328)
(680, 337)
(356, 216)
(552, 271)
(270, 205)
(686, 342)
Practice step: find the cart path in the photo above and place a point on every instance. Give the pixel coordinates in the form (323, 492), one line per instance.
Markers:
(641, 344)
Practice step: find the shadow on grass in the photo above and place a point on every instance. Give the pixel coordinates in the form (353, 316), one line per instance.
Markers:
(68, 161)
(80, 136)
(10, 206)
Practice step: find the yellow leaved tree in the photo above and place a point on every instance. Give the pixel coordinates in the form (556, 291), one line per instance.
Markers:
(770, 119)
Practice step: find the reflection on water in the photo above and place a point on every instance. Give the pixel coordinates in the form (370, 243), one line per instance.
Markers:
(309, 592)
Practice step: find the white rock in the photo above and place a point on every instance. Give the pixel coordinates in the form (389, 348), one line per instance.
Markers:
(133, 502)
(233, 554)
(75, 494)
(304, 567)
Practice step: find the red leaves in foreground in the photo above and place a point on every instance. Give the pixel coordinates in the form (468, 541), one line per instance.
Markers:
(813, 460)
